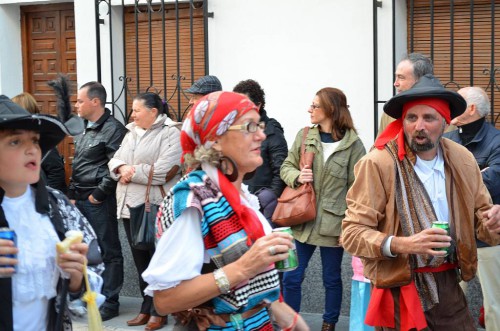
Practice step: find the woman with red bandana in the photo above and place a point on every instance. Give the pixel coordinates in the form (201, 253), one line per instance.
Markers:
(214, 262)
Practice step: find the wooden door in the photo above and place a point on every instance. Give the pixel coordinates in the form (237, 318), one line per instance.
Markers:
(49, 48)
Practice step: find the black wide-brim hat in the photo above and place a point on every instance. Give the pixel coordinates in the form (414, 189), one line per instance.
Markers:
(52, 130)
(428, 86)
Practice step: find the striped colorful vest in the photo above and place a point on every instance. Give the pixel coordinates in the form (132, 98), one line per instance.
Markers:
(225, 241)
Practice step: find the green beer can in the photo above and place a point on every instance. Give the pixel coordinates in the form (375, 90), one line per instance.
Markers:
(292, 262)
(444, 226)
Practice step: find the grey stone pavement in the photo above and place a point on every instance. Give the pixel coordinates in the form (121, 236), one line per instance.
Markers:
(312, 296)
(129, 308)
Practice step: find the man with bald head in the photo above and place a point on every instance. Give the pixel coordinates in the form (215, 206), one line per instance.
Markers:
(482, 139)
(410, 180)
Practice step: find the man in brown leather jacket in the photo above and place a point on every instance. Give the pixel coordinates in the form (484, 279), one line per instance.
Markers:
(411, 179)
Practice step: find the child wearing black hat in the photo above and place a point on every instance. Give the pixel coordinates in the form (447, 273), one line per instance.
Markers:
(36, 282)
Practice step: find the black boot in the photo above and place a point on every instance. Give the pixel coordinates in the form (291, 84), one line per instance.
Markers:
(328, 326)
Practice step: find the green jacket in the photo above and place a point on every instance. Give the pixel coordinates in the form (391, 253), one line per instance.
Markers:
(331, 182)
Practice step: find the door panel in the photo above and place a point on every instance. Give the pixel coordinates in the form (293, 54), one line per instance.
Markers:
(49, 48)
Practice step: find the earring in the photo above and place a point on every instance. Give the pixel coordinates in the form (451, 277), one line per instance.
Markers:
(225, 166)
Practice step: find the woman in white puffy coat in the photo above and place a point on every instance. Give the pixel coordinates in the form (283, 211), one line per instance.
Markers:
(153, 140)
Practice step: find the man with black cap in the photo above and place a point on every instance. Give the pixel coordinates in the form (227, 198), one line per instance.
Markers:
(203, 86)
(93, 189)
(34, 279)
(411, 179)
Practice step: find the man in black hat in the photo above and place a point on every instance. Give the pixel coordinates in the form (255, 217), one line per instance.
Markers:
(482, 139)
(202, 87)
(410, 180)
(93, 189)
(409, 70)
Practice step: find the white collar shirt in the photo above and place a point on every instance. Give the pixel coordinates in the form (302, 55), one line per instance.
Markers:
(431, 174)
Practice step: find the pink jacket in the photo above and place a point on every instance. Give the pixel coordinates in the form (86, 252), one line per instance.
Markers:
(357, 268)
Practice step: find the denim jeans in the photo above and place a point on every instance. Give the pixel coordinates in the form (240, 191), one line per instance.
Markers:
(331, 261)
(102, 217)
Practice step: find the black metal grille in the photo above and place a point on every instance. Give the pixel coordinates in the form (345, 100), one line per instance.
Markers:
(161, 51)
(460, 38)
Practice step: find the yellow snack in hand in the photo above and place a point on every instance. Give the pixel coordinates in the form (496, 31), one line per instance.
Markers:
(72, 237)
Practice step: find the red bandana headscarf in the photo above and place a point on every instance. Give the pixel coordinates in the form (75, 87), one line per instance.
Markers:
(395, 129)
(209, 119)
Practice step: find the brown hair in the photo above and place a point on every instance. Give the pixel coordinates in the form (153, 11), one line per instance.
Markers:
(334, 103)
(27, 101)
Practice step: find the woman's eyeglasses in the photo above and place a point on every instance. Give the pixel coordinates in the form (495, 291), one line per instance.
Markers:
(250, 127)
(314, 107)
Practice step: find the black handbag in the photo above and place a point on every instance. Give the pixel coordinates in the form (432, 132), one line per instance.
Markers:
(142, 220)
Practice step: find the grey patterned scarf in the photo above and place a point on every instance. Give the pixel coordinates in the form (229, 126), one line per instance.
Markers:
(416, 213)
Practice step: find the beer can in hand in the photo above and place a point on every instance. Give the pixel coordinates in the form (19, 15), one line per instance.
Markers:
(8, 234)
(292, 262)
(444, 226)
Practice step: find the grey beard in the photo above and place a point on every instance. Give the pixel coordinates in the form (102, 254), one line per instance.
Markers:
(422, 147)
(428, 145)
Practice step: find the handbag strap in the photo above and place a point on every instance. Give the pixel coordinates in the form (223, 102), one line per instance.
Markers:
(148, 188)
(162, 190)
(303, 145)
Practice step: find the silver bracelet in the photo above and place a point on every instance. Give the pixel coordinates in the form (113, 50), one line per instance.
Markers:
(221, 281)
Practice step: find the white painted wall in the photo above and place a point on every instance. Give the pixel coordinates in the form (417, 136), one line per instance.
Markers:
(118, 67)
(385, 60)
(11, 61)
(85, 35)
(293, 48)
(86, 47)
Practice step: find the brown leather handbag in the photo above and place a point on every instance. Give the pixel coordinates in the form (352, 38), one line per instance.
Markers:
(297, 205)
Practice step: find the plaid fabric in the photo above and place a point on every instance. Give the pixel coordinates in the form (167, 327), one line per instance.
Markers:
(205, 85)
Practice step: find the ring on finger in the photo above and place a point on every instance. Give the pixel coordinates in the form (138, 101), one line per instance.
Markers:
(272, 250)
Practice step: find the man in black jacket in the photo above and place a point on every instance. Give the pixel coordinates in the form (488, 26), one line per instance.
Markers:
(92, 188)
(482, 139)
(266, 183)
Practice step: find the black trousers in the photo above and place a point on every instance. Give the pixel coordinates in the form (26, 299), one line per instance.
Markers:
(141, 261)
(102, 217)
